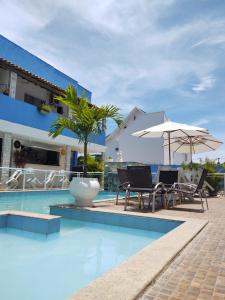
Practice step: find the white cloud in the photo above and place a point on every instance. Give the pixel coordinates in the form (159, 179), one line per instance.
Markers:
(205, 83)
(201, 122)
(126, 52)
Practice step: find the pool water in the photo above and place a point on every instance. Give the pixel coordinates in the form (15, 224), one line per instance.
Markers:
(34, 266)
(40, 201)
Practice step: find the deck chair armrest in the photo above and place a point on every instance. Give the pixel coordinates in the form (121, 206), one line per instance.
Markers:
(124, 184)
(159, 186)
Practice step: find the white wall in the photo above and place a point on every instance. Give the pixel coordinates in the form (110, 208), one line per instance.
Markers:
(142, 150)
(135, 149)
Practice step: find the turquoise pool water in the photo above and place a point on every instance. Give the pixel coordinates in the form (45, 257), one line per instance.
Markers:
(40, 201)
(33, 266)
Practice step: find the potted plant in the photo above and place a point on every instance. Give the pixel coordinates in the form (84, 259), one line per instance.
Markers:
(45, 109)
(85, 121)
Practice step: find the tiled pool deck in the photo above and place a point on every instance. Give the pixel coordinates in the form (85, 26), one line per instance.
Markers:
(198, 272)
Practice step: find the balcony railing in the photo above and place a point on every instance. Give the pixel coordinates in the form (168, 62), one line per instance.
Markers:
(36, 179)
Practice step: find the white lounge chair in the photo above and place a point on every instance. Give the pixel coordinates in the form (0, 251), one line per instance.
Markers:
(46, 183)
(12, 182)
(64, 180)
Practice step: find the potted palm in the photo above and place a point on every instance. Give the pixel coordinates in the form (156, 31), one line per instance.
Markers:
(85, 121)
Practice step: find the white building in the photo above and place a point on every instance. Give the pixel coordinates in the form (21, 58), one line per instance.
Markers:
(122, 146)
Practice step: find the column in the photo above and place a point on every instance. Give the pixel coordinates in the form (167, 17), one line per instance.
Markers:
(12, 84)
(6, 155)
(68, 158)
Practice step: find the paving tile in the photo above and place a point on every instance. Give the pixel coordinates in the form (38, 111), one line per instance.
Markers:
(199, 271)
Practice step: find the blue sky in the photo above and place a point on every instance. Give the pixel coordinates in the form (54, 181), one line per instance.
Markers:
(157, 55)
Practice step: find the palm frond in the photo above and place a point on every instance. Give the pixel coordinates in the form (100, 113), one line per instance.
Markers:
(60, 124)
(85, 120)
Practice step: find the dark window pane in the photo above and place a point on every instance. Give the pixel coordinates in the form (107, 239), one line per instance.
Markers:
(40, 156)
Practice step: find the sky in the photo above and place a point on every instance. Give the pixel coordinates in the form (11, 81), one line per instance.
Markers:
(154, 54)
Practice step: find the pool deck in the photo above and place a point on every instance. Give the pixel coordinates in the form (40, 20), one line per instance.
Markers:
(198, 271)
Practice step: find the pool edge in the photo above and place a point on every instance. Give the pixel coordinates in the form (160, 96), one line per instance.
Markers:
(135, 274)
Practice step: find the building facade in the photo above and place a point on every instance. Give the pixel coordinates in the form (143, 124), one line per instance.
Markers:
(27, 83)
(122, 146)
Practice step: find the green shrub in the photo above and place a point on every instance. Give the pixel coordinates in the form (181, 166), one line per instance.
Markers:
(94, 164)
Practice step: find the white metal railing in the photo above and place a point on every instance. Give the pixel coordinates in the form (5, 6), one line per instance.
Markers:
(38, 179)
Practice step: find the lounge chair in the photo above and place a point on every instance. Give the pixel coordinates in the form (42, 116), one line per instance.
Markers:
(123, 182)
(190, 189)
(13, 181)
(140, 181)
(63, 180)
(46, 183)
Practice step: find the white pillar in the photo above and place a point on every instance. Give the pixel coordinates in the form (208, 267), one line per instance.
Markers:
(12, 84)
(68, 158)
(6, 155)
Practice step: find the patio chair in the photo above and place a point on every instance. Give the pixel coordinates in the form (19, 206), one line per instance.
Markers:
(168, 178)
(140, 181)
(123, 182)
(190, 189)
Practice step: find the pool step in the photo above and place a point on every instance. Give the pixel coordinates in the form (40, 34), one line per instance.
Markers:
(28, 221)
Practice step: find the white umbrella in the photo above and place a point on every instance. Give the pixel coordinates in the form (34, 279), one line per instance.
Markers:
(194, 144)
(170, 130)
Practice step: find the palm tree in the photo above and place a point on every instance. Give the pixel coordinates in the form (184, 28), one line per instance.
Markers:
(85, 121)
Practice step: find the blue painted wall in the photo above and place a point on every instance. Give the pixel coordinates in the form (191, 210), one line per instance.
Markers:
(24, 59)
(26, 114)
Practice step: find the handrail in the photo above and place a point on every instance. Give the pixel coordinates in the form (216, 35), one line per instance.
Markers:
(31, 178)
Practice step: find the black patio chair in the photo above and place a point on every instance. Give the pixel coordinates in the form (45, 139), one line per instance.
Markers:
(140, 181)
(168, 178)
(189, 189)
(123, 182)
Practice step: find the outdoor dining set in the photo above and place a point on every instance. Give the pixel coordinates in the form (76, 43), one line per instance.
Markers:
(167, 191)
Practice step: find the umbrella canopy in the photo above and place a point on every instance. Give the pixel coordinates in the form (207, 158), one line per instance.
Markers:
(193, 144)
(170, 130)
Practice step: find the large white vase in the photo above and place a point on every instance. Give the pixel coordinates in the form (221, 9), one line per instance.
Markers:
(84, 190)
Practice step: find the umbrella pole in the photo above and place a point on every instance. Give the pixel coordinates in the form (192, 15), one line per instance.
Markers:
(191, 150)
(169, 148)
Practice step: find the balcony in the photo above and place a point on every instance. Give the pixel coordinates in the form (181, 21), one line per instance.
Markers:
(19, 112)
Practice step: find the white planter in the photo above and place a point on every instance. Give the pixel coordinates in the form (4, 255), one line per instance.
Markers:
(84, 190)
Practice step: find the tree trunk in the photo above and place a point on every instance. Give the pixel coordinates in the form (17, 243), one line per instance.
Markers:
(85, 158)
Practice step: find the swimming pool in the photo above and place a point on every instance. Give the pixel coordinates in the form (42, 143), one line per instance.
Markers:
(90, 243)
(39, 202)
(35, 266)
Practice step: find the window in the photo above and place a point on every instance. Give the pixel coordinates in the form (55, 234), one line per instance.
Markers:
(33, 100)
(40, 156)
